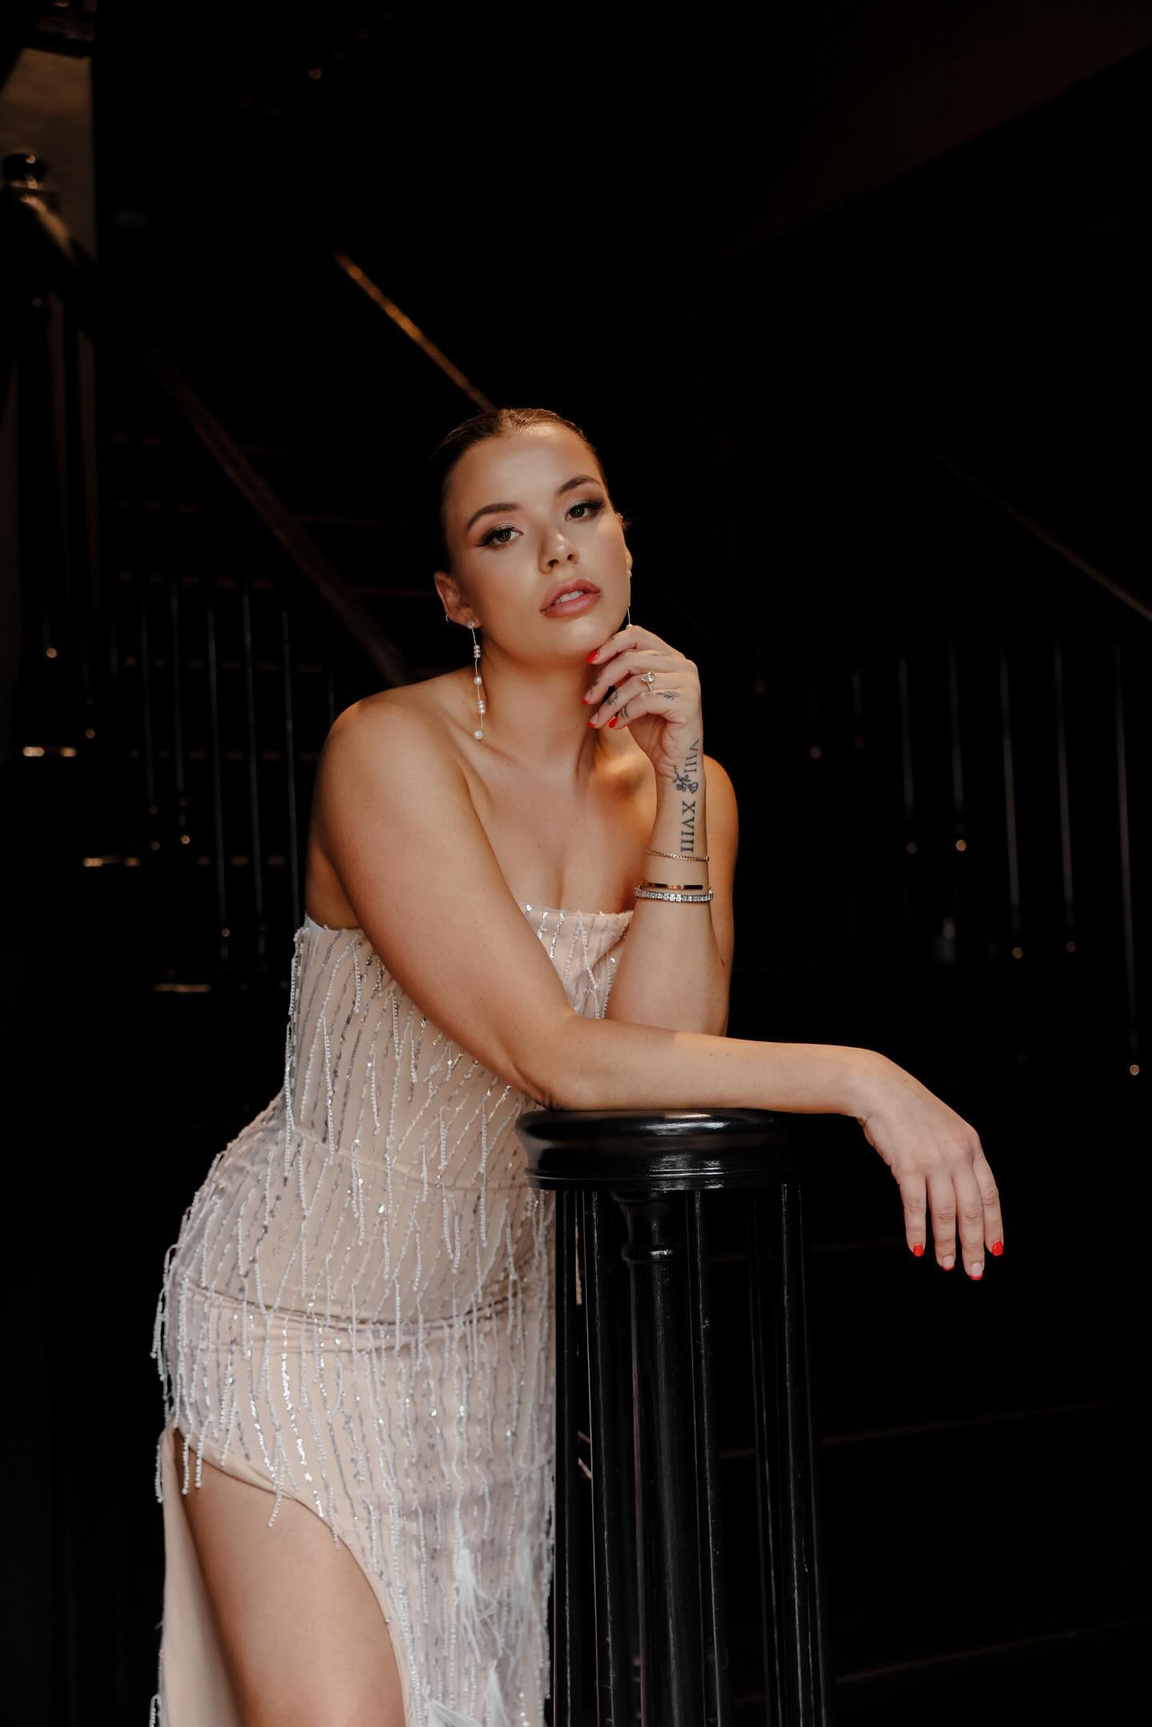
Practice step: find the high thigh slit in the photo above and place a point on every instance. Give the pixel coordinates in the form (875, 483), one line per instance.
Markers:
(357, 1314)
(196, 1664)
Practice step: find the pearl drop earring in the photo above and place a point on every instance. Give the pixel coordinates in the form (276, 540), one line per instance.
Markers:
(481, 708)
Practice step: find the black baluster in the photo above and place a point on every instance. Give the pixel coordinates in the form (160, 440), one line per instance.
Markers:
(626, 1459)
(290, 764)
(175, 650)
(1064, 801)
(147, 731)
(38, 525)
(1125, 849)
(612, 1653)
(763, 1402)
(803, 1633)
(568, 1585)
(909, 878)
(218, 854)
(254, 826)
(668, 1584)
(81, 573)
(717, 1703)
(1011, 817)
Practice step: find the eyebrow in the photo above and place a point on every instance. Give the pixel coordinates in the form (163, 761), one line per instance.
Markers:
(499, 509)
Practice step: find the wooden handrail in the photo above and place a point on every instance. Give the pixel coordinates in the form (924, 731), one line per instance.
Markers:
(1068, 554)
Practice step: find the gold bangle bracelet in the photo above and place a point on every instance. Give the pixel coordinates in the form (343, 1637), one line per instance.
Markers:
(681, 857)
(679, 886)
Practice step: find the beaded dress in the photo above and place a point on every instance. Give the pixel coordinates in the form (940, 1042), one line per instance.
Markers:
(357, 1314)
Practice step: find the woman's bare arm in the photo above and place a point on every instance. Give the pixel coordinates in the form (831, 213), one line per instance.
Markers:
(611, 1064)
(934, 1155)
(396, 821)
(675, 967)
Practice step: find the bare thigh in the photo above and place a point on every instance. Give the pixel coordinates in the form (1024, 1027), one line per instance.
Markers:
(303, 1634)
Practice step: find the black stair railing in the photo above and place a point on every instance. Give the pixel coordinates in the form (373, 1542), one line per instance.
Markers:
(52, 262)
(634, 1360)
(186, 642)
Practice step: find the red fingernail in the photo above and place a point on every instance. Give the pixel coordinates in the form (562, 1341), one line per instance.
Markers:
(997, 1248)
(592, 721)
(612, 721)
(918, 1249)
(592, 655)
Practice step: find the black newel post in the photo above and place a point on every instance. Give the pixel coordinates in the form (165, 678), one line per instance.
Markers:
(657, 1570)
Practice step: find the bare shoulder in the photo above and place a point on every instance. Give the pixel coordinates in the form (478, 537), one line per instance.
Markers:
(393, 744)
(400, 854)
(414, 718)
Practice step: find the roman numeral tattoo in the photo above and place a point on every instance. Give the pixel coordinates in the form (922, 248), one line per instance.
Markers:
(685, 780)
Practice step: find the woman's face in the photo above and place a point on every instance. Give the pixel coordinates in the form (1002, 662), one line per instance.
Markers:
(522, 513)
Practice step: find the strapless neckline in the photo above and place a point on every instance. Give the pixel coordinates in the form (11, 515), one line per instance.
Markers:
(525, 905)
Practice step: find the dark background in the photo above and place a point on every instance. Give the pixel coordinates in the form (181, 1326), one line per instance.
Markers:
(852, 300)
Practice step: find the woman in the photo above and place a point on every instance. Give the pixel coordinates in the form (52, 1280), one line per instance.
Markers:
(355, 1324)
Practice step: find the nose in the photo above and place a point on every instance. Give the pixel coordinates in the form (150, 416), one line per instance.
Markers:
(558, 549)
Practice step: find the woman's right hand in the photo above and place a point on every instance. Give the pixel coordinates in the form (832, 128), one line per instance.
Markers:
(937, 1160)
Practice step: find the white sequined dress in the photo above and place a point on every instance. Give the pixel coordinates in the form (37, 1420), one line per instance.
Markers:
(358, 1315)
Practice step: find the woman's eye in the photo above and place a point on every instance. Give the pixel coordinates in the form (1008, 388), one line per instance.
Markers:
(502, 536)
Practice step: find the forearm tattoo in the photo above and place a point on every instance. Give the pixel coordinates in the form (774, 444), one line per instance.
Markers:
(685, 780)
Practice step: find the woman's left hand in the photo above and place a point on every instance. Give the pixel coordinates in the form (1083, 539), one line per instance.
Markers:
(666, 719)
